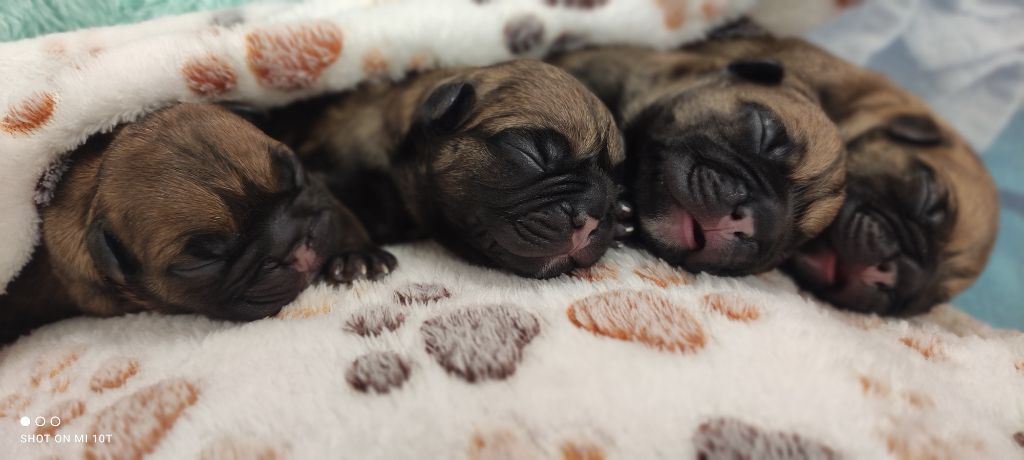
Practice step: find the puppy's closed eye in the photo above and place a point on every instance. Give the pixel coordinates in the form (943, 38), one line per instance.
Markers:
(205, 255)
(931, 199)
(769, 138)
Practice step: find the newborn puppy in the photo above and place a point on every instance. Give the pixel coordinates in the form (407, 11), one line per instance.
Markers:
(920, 216)
(921, 212)
(731, 161)
(508, 166)
(189, 210)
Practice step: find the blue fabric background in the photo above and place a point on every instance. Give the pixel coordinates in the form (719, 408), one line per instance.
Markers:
(998, 296)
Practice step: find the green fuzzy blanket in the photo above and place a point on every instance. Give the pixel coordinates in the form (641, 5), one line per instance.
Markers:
(29, 18)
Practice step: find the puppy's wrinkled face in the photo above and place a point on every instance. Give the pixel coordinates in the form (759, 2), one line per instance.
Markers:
(196, 210)
(519, 156)
(917, 226)
(732, 169)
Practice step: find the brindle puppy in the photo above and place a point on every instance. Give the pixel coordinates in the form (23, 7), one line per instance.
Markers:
(921, 211)
(508, 165)
(189, 210)
(732, 163)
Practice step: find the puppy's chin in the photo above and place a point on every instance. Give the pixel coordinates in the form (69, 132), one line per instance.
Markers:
(583, 251)
(856, 280)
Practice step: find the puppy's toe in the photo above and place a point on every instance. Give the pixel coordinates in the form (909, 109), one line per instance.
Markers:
(623, 210)
(369, 263)
(379, 263)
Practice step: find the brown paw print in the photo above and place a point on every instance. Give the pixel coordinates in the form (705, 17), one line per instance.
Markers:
(662, 274)
(1018, 437)
(373, 321)
(598, 272)
(140, 420)
(113, 374)
(52, 365)
(421, 293)
(502, 444)
(523, 34)
(379, 371)
(480, 343)
(727, 439)
(581, 451)
(293, 58)
(639, 316)
(66, 411)
(209, 76)
(375, 65)
(673, 12)
(30, 114)
(931, 348)
(578, 4)
(732, 306)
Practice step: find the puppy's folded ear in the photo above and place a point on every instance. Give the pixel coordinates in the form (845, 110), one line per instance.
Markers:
(112, 259)
(448, 106)
(914, 129)
(762, 71)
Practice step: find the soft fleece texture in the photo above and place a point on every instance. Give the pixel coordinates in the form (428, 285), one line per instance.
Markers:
(631, 359)
(672, 364)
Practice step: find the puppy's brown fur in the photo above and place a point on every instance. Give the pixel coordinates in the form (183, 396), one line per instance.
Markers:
(191, 209)
(503, 164)
(911, 174)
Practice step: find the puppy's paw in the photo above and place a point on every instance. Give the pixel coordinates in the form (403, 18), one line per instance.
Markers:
(370, 263)
(624, 226)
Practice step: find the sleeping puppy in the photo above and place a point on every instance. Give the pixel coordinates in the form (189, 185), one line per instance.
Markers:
(921, 212)
(508, 166)
(189, 210)
(731, 161)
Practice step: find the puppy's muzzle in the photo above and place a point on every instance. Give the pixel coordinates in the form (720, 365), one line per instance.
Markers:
(722, 224)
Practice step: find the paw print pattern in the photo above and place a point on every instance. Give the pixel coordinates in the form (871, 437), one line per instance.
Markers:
(371, 322)
(480, 343)
(727, 438)
(577, 4)
(379, 372)
(662, 274)
(294, 57)
(421, 293)
(523, 34)
(113, 374)
(732, 307)
(30, 114)
(209, 76)
(931, 348)
(67, 411)
(140, 420)
(639, 316)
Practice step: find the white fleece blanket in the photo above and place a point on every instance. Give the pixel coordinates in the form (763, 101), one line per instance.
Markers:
(630, 359)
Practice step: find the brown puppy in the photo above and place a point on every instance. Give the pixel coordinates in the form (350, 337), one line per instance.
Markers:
(508, 166)
(921, 211)
(189, 210)
(731, 161)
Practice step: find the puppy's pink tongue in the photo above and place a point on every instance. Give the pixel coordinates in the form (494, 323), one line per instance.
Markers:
(682, 229)
(304, 259)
